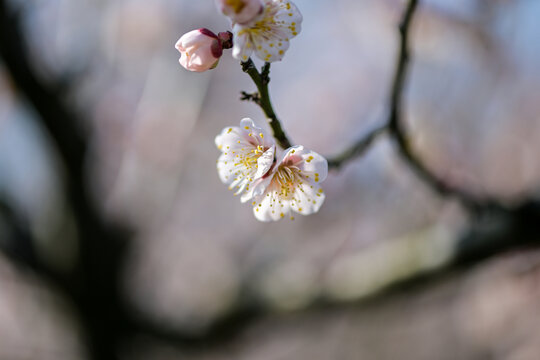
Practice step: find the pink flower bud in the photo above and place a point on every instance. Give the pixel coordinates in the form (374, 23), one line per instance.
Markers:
(200, 50)
(241, 11)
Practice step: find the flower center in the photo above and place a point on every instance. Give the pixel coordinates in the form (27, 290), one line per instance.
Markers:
(237, 5)
(287, 179)
(265, 26)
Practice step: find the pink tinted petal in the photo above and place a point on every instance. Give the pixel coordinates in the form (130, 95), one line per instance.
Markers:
(291, 155)
(200, 50)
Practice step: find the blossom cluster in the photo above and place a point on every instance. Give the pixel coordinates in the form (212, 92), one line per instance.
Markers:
(277, 185)
(263, 27)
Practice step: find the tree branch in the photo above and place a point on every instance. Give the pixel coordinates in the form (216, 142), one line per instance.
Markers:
(93, 284)
(358, 148)
(395, 127)
(261, 81)
(495, 232)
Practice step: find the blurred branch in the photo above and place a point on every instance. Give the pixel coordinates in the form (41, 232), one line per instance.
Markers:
(358, 148)
(494, 232)
(395, 127)
(93, 285)
(396, 124)
(262, 80)
(18, 245)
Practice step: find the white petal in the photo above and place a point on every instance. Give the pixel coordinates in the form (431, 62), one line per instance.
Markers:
(265, 162)
(258, 187)
(243, 47)
(290, 18)
(226, 169)
(269, 207)
(314, 165)
(272, 50)
(255, 135)
(269, 35)
(309, 198)
(247, 136)
(228, 136)
(247, 154)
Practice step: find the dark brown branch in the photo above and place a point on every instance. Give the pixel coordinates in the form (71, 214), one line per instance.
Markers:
(262, 80)
(245, 96)
(93, 284)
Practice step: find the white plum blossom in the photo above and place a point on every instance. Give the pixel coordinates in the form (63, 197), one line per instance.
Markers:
(248, 153)
(241, 11)
(292, 185)
(269, 34)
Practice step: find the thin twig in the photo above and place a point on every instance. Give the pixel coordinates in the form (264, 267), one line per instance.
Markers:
(245, 96)
(261, 81)
(358, 148)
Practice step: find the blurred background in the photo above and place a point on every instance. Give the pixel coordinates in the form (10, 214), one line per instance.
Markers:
(197, 255)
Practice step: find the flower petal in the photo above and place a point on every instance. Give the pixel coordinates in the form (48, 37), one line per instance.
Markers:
(311, 164)
(243, 46)
(309, 198)
(265, 162)
(271, 51)
(257, 189)
(290, 17)
(270, 33)
(269, 207)
(247, 135)
(226, 169)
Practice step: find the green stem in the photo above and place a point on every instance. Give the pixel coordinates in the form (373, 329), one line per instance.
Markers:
(261, 81)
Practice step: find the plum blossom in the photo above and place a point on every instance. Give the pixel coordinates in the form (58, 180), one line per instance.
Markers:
(201, 49)
(241, 11)
(291, 186)
(248, 153)
(269, 34)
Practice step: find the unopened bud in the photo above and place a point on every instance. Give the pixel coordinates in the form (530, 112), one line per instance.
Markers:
(200, 50)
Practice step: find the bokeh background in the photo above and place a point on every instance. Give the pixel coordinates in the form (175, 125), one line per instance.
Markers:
(472, 109)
